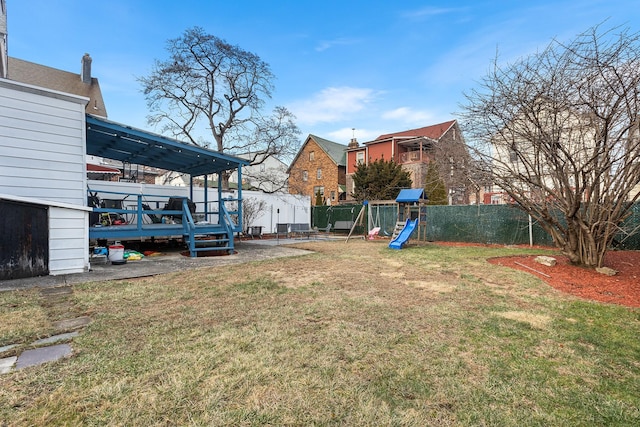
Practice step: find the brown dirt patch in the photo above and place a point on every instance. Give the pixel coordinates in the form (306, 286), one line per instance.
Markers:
(623, 288)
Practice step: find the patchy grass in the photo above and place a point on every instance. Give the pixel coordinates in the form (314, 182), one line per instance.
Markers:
(354, 334)
(22, 317)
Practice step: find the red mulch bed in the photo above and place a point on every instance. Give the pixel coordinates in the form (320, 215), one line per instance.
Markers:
(622, 289)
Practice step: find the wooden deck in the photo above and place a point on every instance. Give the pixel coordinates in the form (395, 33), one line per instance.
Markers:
(140, 222)
(135, 231)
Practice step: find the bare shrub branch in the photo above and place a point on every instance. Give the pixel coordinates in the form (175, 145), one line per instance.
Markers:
(558, 132)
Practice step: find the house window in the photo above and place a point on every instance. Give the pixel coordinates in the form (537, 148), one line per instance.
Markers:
(333, 195)
(312, 155)
(305, 175)
(319, 173)
(513, 153)
(317, 189)
(360, 157)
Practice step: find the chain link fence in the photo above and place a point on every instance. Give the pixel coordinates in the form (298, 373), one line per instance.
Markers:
(494, 224)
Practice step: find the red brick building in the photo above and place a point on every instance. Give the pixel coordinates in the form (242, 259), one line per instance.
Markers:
(319, 166)
(414, 149)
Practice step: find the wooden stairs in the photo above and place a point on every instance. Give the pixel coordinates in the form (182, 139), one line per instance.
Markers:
(209, 242)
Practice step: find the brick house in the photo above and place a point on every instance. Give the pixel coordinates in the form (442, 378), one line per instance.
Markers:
(414, 149)
(319, 166)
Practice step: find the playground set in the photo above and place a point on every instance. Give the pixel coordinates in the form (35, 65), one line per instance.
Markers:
(411, 218)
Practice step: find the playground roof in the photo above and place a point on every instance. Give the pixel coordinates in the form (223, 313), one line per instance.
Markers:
(408, 195)
(130, 145)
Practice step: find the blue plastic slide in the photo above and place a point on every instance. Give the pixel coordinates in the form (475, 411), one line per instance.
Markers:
(404, 235)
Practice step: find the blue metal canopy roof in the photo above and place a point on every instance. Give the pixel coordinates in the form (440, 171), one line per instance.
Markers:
(115, 141)
(408, 195)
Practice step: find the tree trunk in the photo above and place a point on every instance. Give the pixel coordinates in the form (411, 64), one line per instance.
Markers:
(582, 249)
(224, 180)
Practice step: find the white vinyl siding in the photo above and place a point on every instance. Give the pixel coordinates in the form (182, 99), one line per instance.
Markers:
(68, 234)
(42, 161)
(42, 144)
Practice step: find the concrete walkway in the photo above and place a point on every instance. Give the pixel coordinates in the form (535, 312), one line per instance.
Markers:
(169, 261)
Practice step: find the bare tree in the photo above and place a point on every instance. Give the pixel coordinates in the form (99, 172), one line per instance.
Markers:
(252, 209)
(208, 87)
(558, 132)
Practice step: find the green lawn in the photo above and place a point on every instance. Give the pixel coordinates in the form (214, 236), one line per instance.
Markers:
(353, 334)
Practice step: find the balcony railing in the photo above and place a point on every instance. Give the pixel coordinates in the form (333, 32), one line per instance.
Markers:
(410, 156)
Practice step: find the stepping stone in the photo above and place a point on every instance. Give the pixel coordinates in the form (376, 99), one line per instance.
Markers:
(7, 347)
(608, 271)
(6, 364)
(42, 355)
(76, 323)
(545, 260)
(56, 291)
(56, 338)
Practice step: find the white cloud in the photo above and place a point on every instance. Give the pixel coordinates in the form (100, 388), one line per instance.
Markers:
(344, 135)
(327, 44)
(428, 12)
(409, 116)
(332, 104)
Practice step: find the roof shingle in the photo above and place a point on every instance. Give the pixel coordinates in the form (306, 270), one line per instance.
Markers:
(333, 149)
(433, 132)
(63, 81)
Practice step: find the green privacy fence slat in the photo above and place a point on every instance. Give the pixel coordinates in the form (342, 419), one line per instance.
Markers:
(499, 224)
(321, 216)
(629, 238)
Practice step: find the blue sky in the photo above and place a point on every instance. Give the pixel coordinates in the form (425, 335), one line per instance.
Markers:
(376, 66)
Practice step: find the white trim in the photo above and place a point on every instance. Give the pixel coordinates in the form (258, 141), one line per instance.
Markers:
(44, 202)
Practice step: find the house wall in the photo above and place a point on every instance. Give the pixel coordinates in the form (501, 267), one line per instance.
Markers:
(352, 160)
(68, 240)
(382, 150)
(269, 176)
(635, 191)
(453, 160)
(43, 161)
(42, 144)
(449, 152)
(331, 173)
(417, 172)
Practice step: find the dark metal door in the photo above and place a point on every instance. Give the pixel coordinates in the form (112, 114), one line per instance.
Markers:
(24, 240)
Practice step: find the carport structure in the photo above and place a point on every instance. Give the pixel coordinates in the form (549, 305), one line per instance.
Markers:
(119, 142)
